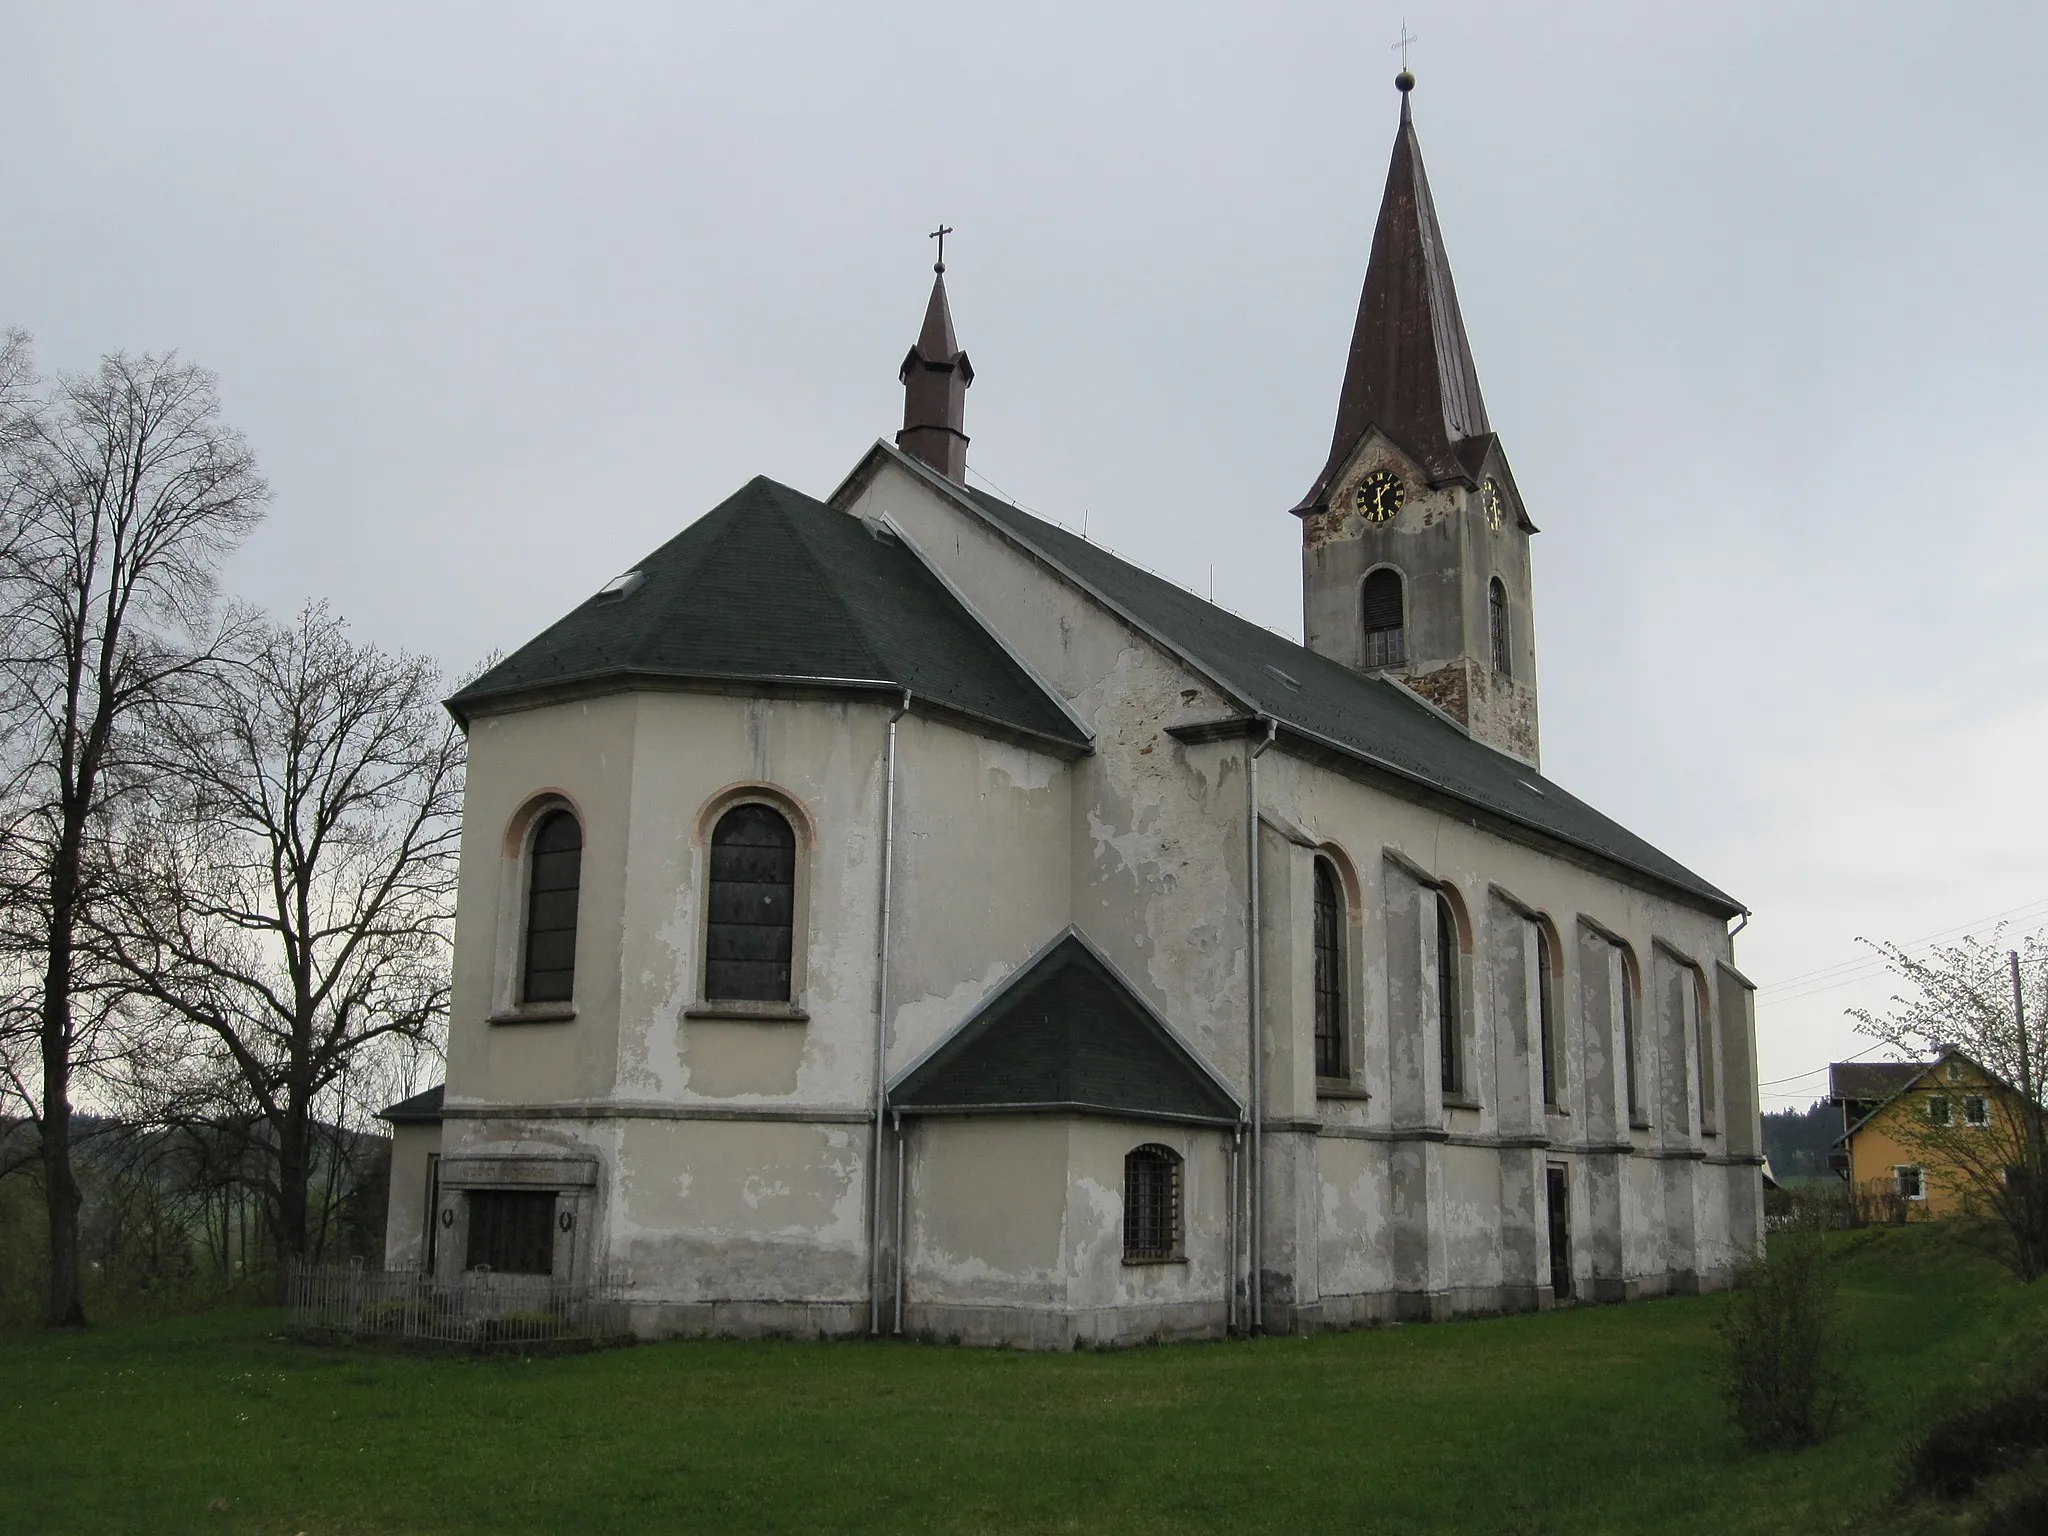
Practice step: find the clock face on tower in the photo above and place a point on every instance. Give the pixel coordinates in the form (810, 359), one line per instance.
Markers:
(1496, 504)
(1380, 495)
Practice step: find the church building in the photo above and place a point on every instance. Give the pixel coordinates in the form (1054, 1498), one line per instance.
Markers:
(895, 913)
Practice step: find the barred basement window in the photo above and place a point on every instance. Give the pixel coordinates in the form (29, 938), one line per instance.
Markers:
(512, 1231)
(753, 906)
(1151, 1204)
(1329, 972)
(1451, 1061)
(553, 878)
(1386, 636)
(1497, 615)
(1546, 1020)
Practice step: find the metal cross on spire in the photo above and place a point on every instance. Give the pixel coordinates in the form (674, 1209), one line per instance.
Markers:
(939, 235)
(1405, 40)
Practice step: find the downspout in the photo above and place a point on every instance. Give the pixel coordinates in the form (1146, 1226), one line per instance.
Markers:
(882, 1025)
(900, 1176)
(1253, 1212)
(1230, 1266)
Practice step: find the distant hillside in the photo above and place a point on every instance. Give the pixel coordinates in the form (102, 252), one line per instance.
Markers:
(1798, 1141)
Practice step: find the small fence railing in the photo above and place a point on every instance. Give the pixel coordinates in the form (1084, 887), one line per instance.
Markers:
(479, 1310)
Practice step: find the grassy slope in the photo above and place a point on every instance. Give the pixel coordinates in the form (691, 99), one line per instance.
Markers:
(1587, 1421)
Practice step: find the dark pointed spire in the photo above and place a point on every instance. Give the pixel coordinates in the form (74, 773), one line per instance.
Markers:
(1410, 372)
(935, 375)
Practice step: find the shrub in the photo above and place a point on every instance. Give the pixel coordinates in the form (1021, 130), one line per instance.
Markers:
(1976, 1443)
(1785, 1357)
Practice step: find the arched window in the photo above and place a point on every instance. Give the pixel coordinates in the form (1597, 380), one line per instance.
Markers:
(1386, 638)
(1329, 972)
(1628, 1035)
(753, 906)
(1151, 1203)
(1704, 1044)
(1497, 618)
(1451, 1058)
(1546, 1016)
(554, 875)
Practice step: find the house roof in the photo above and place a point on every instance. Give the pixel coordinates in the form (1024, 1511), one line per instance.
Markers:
(420, 1109)
(1322, 703)
(772, 588)
(1066, 1033)
(1862, 1082)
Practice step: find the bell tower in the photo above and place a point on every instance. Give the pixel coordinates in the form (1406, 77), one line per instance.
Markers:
(1415, 545)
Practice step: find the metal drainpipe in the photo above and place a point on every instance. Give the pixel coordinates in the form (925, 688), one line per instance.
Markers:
(1256, 1244)
(900, 1172)
(882, 1027)
(1230, 1266)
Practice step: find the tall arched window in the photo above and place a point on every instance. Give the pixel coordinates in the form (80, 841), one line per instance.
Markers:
(1151, 1203)
(753, 906)
(1546, 1016)
(1329, 972)
(554, 875)
(1386, 637)
(1451, 1058)
(1704, 1043)
(1497, 618)
(1628, 1036)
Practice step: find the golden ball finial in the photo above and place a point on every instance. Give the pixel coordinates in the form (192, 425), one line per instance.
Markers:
(1404, 82)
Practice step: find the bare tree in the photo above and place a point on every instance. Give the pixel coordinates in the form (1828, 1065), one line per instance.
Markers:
(123, 490)
(290, 900)
(1979, 1120)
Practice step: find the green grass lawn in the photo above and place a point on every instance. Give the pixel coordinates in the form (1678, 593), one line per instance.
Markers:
(1602, 1419)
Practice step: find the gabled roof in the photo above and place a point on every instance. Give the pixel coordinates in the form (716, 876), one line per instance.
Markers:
(1879, 1083)
(771, 589)
(1864, 1082)
(420, 1109)
(1320, 704)
(1410, 370)
(1066, 1033)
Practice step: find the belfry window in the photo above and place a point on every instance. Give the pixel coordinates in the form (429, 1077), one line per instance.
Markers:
(1151, 1204)
(1384, 609)
(1329, 972)
(750, 935)
(554, 877)
(1451, 1059)
(1497, 619)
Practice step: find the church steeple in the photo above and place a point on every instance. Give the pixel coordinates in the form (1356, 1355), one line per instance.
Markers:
(1410, 372)
(935, 375)
(1414, 543)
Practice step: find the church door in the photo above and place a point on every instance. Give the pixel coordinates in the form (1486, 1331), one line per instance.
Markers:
(1559, 1200)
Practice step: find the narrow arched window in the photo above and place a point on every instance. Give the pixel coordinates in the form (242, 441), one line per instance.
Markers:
(1329, 972)
(1497, 618)
(753, 906)
(1628, 1037)
(1386, 635)
(1451, 1059)
(1546, 1016)
(1151, 1204)
(554, 875)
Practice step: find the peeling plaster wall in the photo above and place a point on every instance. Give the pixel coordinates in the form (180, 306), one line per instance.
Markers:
(405, 1213)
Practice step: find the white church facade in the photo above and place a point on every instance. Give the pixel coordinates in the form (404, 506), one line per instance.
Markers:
(896, 913)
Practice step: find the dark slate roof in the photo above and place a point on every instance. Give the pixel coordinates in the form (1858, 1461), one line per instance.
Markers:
(771, 587)
(1066, 1033)
(420, 1109)
(1410, 371)
(1867, 1082)
(1368, 719)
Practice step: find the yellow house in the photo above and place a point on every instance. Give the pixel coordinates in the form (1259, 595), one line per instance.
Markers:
(1924, 1139)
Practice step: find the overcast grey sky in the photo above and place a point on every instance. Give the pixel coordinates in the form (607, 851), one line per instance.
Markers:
(505, 294)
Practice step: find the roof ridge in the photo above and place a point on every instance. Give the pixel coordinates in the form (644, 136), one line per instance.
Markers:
(799, 535)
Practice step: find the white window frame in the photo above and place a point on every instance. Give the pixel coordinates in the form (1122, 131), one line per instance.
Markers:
(1919, 1172)
(1982, 1118)
(1947, 1117)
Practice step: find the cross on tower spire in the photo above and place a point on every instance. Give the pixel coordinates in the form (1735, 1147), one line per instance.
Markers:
(1405, 39)
(939, 235)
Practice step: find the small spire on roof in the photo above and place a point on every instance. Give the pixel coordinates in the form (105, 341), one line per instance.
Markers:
(935, 375)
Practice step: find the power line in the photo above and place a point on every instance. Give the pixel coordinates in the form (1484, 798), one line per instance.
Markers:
(1845, 973)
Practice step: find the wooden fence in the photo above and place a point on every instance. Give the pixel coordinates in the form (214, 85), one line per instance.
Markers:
(477, 1311)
